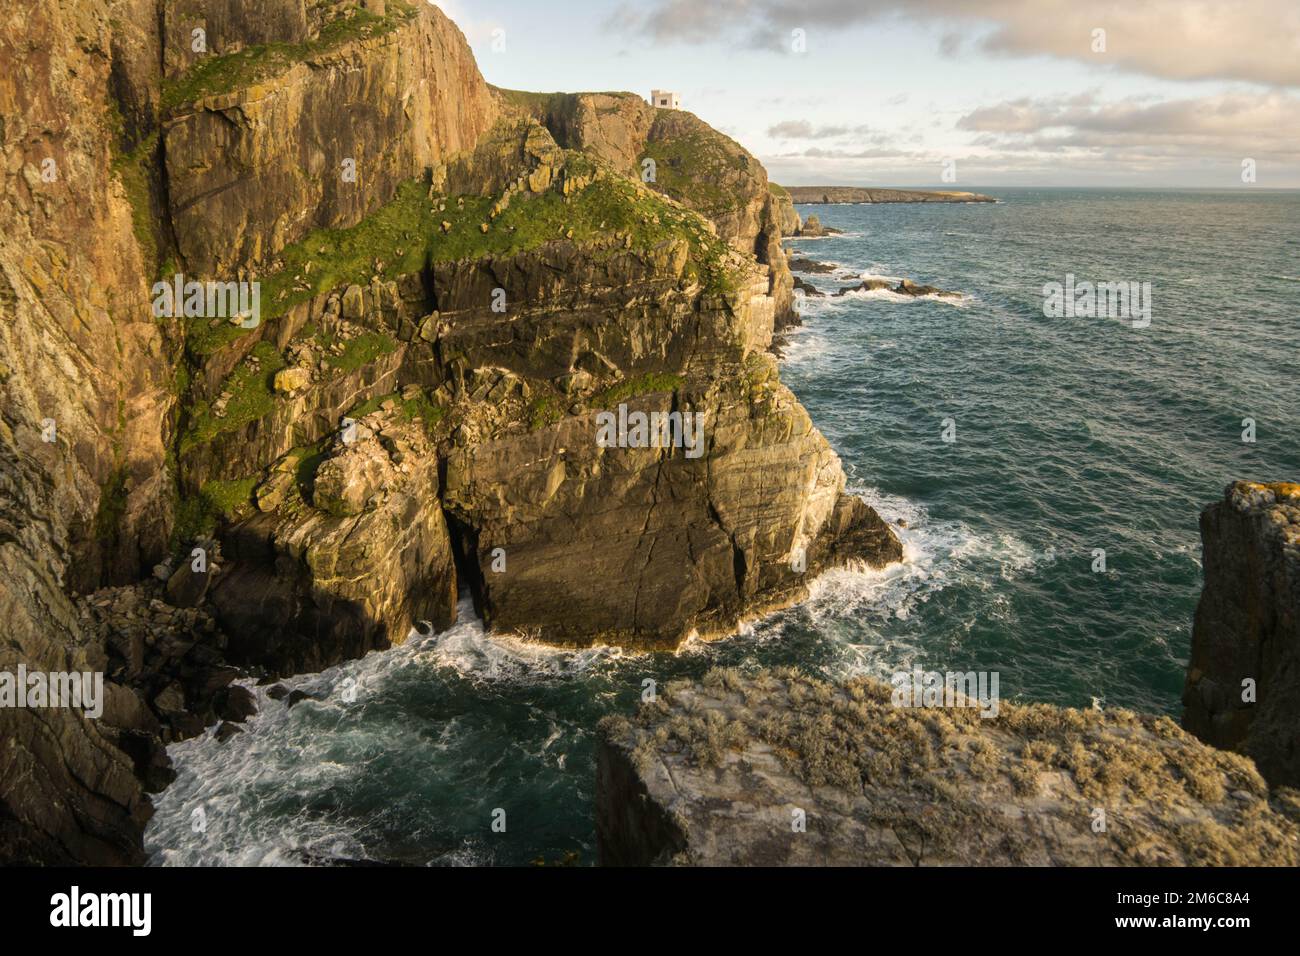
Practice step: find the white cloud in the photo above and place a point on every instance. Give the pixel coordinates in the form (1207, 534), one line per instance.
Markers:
(1256, 41)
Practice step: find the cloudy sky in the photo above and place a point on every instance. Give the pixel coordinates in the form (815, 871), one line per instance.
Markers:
(884, 92)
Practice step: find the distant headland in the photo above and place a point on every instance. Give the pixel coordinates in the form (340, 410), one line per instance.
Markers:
(854, 194)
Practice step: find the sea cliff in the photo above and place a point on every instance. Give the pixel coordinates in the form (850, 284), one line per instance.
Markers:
(456, 284)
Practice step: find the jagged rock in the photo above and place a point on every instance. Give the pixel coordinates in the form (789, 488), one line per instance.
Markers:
(271, 493)
(778, 769)
(170, 701)
(807, 288)
(297, 697)
(908, 287)
(227, 730)
(236, 704)
(811, 265)
(787, 217)
(812, 227)
(349, 483)
(904, 287)
(353, 302)
(1243, 679)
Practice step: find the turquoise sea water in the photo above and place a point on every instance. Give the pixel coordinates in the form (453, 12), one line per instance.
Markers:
(1072, 434)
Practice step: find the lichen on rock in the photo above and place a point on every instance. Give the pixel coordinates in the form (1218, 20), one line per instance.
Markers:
(778, 768)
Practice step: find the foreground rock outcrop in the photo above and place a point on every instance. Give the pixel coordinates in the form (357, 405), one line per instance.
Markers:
(1243, 680)
(780, 769)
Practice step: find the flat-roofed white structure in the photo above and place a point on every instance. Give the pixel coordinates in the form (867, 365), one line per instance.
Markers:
(665, 99)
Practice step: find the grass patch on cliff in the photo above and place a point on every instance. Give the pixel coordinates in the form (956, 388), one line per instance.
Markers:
(699, 169)
(407, 235)
(359, 350)
(233, 71)
(542, 411)
(646, 384)
(216, 501)
(422, 409)
(134, 170)
(251, 398)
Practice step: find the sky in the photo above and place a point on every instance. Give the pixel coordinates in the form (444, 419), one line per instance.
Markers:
(1143, 93)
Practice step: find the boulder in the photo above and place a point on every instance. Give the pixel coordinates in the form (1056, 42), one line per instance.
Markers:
(289, 380)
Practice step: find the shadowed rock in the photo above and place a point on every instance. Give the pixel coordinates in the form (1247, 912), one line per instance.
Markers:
(1243, 679)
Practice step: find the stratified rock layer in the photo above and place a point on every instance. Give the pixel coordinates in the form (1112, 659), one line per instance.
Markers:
(1243, 680)
(779, 769)
(84, 405)
(318, 140)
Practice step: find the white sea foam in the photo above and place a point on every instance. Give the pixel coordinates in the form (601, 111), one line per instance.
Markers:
(937, 554)
(322, 745)
(959, 301)
(487, 658)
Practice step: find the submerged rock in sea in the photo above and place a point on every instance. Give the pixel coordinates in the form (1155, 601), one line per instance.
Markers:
(798, 264)
(1243, 679)
(807, 288)
(783, 769)
(904, 287)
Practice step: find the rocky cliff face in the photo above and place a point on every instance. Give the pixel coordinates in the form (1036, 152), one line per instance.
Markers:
(779, 769)
(458, 285)
(675, 153)
(1243, 680)
(85, 398)
(309, 126)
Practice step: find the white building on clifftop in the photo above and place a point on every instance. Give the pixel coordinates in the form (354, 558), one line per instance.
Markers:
(665, 100)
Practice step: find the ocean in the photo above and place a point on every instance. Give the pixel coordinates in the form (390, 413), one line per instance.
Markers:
(1075, 440)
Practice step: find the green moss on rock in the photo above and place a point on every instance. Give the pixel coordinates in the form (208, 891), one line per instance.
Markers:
(251, 397)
